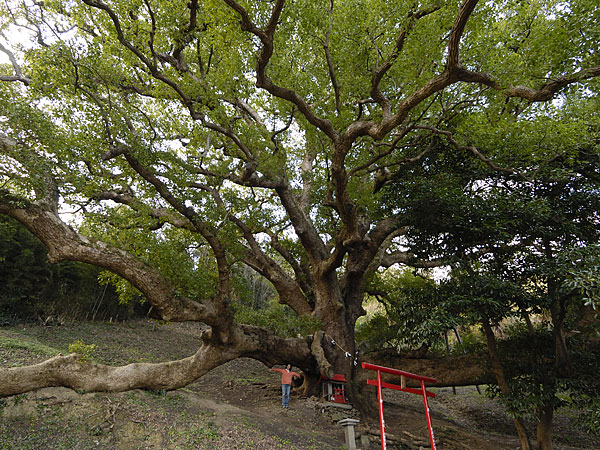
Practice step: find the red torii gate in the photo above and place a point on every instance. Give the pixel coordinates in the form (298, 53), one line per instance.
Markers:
(403, 375)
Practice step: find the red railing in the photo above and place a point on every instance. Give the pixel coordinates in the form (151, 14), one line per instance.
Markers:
(403, 375)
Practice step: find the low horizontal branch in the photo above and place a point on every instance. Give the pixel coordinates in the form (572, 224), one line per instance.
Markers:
(461, 370)
(73, 372)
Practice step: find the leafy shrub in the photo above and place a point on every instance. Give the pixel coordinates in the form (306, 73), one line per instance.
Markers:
(277, 318)
(413, 314)
(589, 417)
(83, 349)
(377, 332)
(472, 341)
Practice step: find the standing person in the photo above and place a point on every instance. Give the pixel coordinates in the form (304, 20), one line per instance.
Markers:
(286, 384)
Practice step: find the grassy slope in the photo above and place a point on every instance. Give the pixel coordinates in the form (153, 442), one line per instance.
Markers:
(234, 406)
(58, 418)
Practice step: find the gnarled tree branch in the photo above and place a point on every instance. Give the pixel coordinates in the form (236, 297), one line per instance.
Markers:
(64, 243)
(18, 76)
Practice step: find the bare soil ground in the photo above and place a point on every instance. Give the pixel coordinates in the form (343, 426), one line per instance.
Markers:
(236, 406)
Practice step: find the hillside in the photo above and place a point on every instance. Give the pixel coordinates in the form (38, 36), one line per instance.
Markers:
(236, 406)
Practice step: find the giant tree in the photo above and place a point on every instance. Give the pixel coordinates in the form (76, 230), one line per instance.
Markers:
(260, 133)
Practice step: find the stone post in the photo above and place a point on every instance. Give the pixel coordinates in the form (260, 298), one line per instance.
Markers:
(348, 425)
(364, 442)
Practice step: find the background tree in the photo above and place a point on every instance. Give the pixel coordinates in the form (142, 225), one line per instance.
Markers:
(264, 133)
(49, 293)
(524, 250)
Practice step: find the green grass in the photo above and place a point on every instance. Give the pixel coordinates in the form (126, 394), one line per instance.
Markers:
(32, 346)
(47, 429)
(248, 379)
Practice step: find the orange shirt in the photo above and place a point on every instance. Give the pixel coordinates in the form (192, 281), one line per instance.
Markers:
(286, 376)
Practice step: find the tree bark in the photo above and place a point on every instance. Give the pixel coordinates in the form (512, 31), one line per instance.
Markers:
(502, 382)
(459, 370)
(325, 367)
(564, 368)
(544, 427)
(72, 372)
